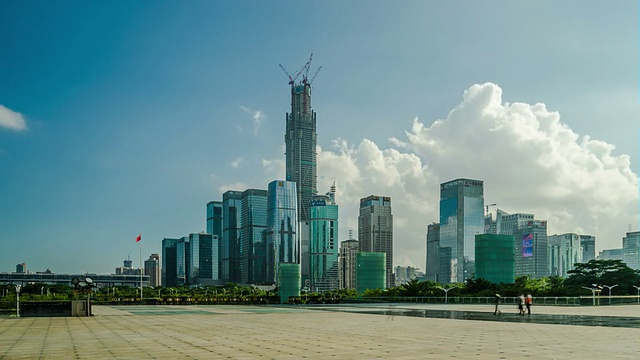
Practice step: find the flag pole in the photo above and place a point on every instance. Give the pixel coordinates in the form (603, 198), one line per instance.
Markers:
(140, 248)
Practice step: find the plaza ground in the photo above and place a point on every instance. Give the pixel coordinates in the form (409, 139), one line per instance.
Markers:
(387, 331)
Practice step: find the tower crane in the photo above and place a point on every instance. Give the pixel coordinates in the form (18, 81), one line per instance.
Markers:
(304, 71)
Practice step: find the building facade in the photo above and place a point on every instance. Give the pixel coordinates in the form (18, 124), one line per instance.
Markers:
(433, 252)
(215, 225)
(169, 270)
(21, 268)
(631, 250)
(531, 257)
(564, 251)
(283, 245)
(152, 268)
(371, 271)
(611, 254)
(347, 263)
(323, 243)
(588, 244)
(230, 244)
(495, 259)
(375, 230)
(253, 247)
(461, 218)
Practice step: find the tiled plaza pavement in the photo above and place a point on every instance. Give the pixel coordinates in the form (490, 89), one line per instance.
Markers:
(245, 332)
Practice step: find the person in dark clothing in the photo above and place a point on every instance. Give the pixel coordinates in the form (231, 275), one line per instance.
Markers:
(497, 300)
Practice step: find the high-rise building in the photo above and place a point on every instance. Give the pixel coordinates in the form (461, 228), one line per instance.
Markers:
(588, 244)
(169, 258)
(631, 250)
(506, 223)
(21, 268)
(152, 268)
(433, 252)
(347, 263)
(214, 226)
(404, 274)
(283, 245)
(495, 258)
(183, 257)
(531, 249)
(253, 247)
(375, 230)
(611, 254)
(461, 218)
(564, 251)
(323, 243)
(231, 229)
(288, 281)
(371, 272)
(300, 142)
(127, 269)
(195, 259)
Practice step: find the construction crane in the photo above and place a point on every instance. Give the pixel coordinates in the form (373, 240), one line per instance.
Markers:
(304, 71)
(486, 209)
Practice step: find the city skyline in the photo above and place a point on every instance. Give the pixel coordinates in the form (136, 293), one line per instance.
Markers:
(129, 118)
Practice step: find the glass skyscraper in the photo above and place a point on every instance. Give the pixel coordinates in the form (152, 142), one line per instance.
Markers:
(461, 219)
(531, 257)
(375, 230)
(283, 245)
(433, 252)
(253, 247)
(631, 250)
(371, 271)
(588, 244)
(231, 226)
(323, 243)
(563, 252)
(169, 259)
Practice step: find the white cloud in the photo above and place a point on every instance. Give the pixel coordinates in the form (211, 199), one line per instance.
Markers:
(529, 162)
(235, 163)
(257, 116)
(12, 120)
(237, 186)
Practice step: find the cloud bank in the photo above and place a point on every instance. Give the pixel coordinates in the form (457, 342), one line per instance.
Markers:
(12, 120)
(528, 159)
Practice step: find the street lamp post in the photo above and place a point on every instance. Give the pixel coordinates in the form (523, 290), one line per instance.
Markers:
(596, 289)
(638, 289)
(18, 300)
(610, 287)
(446, 292)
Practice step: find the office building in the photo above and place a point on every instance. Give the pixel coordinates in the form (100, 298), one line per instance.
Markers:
(375, 230)
(21, 268)
(371, 271)
(588, 244)
(631, 250)
(564, 251)
(347, 263)
(611, 254)
(323, 243)
(461, 218)
(531, 249)
(127, 269)
(231, 229)
(253, 247)
(152, 268)
(215, 225)
(169, 259)
(283, 245)
(506, 223)
(433, 252)
(495, 258)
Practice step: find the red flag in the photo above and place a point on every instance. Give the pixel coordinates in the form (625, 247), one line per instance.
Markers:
(139, 238)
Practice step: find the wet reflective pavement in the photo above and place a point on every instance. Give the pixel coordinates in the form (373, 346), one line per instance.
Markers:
(550, 319)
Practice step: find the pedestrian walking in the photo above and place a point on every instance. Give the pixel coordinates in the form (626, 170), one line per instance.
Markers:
(521, 305)
(528, 302)
(497, 300)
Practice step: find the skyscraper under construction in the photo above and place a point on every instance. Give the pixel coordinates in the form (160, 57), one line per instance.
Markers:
(300, 140)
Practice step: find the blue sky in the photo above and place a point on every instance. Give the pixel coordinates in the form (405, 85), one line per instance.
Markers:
(121, 118)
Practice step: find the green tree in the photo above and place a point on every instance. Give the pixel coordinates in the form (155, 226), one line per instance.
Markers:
(603, 272)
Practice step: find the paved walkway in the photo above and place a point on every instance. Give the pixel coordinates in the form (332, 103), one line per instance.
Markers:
(246, 332)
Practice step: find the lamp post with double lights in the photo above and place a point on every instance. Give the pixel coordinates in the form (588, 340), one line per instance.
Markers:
(610, 287)
(446, 292)
(595, 290)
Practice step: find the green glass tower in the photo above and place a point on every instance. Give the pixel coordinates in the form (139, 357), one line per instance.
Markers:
(323, 243)
(371, 271)
(288, 281)
(495, 259)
